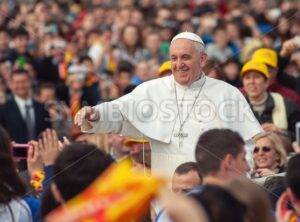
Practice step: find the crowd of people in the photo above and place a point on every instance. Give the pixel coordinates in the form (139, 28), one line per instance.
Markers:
(205, 94)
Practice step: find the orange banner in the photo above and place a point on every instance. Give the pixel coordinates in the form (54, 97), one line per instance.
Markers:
(119, 194)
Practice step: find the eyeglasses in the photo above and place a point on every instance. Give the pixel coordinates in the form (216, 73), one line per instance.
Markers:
(265, 149)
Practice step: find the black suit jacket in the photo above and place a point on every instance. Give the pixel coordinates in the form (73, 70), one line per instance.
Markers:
(12, 120)
(90, 95)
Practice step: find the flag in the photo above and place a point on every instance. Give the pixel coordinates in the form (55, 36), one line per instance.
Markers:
(119, 194)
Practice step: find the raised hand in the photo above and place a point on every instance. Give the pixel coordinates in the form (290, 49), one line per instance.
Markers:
(49, 146)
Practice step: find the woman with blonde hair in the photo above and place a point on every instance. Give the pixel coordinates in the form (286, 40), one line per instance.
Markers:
(269, 155)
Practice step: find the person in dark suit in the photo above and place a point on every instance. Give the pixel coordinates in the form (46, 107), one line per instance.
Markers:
(22, 116)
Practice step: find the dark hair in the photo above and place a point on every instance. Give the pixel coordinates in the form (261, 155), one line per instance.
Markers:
(4, 30)
(19, 72)
(220, 205)
(11, 185)
(20, 32)
(77, 167)
(84, 58)
(186, 167)
(293, 175)
(125, 66)
(139, 41)
(45, 85)
(219, 28)
(212, 147)
(129, 89)
(214, 64)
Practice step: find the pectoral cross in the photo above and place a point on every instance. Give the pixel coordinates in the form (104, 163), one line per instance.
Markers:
(181, 135)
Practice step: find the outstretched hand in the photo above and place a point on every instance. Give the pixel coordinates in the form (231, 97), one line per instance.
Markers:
(86, 113)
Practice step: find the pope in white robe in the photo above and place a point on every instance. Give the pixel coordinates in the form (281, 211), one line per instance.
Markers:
(171, 114)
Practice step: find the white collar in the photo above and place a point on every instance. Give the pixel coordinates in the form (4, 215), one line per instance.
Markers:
(22, 102)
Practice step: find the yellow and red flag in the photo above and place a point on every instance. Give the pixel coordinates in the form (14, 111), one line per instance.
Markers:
(119, 194)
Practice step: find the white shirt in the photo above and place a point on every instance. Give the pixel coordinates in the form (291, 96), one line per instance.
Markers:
(21, 105)
(151, 110)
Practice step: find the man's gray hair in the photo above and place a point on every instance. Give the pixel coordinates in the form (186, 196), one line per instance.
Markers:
(199, 47)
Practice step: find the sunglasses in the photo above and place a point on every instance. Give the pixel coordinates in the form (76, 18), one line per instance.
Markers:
(265, 149)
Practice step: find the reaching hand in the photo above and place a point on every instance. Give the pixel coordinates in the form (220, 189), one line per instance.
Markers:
(263, 172)
(34, 159)
(270, 127)
(288, 47)
(49, 146)
(86, 113)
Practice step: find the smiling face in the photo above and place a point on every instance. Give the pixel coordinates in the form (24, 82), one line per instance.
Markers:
(265, 155)
(255, 84)
(187, 61)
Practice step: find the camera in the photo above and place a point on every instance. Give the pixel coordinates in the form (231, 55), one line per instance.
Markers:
(20, 151)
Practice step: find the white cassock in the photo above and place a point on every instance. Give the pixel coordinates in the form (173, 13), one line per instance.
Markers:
(151, 110)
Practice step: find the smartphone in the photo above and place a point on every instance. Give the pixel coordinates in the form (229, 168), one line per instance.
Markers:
(20, 151)
(298, 133)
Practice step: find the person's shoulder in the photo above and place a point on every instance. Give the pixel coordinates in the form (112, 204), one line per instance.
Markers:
(37, 103)
(291, 105)
(9, 103)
